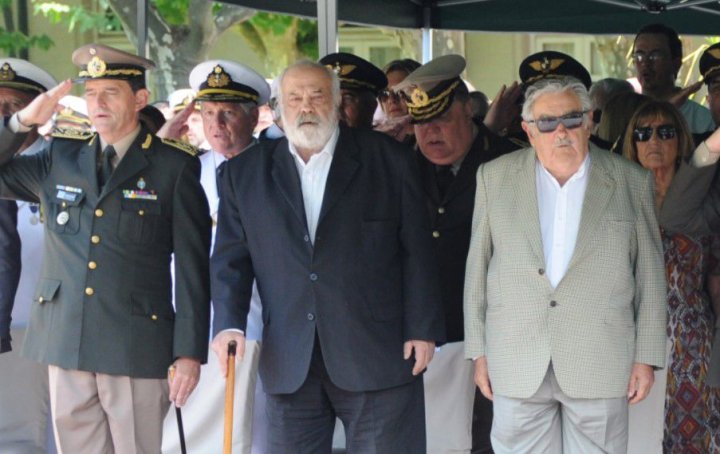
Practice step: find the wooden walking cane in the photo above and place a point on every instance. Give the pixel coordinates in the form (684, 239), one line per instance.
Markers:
(229, 397)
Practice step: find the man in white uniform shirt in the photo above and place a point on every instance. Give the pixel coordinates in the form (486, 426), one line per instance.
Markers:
(565, 286)
(228, 95)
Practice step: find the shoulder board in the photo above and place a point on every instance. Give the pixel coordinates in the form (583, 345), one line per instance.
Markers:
(70, 133)
(186, 147)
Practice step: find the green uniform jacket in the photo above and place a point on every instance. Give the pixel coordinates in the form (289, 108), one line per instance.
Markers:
(104, 299)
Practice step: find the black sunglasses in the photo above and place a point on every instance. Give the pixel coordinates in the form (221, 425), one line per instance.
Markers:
(385, 95)
(644, 133)
(570, 121)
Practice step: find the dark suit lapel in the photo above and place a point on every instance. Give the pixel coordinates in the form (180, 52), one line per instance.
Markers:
(285, 174)
(132, 163)
(526, 201)
(344, 165)
(599, 191)
(467, 173)
(87, 162)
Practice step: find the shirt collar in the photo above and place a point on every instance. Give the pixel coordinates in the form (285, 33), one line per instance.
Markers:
(122, 145)
(579, 174)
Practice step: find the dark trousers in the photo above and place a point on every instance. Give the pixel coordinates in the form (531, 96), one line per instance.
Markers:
(389, 421)
(481, 424)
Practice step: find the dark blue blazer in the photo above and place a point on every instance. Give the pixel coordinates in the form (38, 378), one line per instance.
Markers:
(368, 283)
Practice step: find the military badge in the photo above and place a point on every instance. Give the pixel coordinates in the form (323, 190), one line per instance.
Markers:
(218, 78)
(141, 183)
(419, 97)
(6, 72)
(62, 218)
(96, 67)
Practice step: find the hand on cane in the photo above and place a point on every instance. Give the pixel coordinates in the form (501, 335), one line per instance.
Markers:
(183, 377)
(220, 347)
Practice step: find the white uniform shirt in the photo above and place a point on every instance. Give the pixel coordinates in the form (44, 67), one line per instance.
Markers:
(560, 210)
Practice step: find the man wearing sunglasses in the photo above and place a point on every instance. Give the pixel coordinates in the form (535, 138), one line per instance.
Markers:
(657, 55)
(565, 286)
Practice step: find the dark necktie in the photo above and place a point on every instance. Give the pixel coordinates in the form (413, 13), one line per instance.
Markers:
(218, 176)
(106, 167)
(444, 177)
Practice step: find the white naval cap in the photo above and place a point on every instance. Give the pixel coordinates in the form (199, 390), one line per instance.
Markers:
(23, 75)
(179, 99)
(228, 81)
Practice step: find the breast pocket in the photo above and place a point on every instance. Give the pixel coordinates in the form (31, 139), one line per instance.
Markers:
(139, 220)
(64, 215)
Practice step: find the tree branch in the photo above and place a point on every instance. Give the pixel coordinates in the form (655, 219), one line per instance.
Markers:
(230, 15)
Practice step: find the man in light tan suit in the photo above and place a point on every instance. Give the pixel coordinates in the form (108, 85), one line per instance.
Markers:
(565, 288)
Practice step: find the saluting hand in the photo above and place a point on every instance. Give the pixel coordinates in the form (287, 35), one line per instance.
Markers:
(504, 108)
(220, 347)
(42, 108)
(176, 127)
(424, 351)
(183, 377)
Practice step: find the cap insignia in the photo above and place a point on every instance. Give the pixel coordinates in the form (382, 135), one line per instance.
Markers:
(96, 67)
(546, 66)
(714, 52)
(218, 78)
(67, 111)
(6, 72)
(419, 97)
(341, 70)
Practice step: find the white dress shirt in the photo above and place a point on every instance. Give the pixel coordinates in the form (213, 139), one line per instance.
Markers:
(560, 210)
(313, 176)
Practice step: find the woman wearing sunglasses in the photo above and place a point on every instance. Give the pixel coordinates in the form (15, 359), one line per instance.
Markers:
(657, 138)
(396, 122)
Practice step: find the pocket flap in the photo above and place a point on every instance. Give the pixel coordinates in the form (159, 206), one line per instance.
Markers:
(46, 290)
(146, 206)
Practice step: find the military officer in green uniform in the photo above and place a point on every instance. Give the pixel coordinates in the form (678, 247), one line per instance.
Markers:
(118, 204)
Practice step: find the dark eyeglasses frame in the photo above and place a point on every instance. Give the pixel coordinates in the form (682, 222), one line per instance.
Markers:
(645, 133)
(385, 95)
(570, 120)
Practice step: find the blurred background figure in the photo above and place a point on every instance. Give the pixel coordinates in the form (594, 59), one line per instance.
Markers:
(604, 89)
(152, 118)
(360, 84)
(658, 138)
(394, 120)
(479, 104)
(616, 115)
(195, 135)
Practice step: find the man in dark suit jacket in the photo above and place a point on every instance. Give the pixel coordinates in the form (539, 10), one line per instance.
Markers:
(451, 147)
(331, 223)
(20, 82)
(102, 317)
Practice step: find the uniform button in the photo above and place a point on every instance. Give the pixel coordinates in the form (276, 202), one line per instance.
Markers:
(89, 291)
(311, 316)
(553, 303)
(306, 238)
(141, 212)
(541, 271)
(153, 316)
(436, 234)
(99, 213)
(41, 300)
(95, 239)
(441, 210)
(313, 277)
(92, 265)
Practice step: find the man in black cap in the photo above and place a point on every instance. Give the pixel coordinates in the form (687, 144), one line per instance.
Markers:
(451, 148)
(360, 83)
(118, 205)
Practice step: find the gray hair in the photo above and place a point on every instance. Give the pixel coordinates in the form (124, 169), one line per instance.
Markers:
(334, 81)
(551, 86)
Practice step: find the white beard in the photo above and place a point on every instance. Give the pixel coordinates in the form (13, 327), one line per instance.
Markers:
(310, 136)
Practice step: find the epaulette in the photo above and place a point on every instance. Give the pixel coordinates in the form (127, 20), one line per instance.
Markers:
(186, 147)
(72, 133)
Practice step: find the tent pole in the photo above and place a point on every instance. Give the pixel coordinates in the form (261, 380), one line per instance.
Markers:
(327, 27)
(427, 38)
